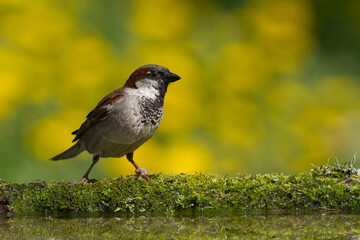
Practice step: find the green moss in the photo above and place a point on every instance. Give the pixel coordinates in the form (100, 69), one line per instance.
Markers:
(172, 193)
(337, 170)
(200, 192)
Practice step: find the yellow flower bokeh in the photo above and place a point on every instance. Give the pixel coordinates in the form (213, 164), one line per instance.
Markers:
(52, 135)
(258, 91)
(37, 26)
(9, 92)
(11, 81)
(183, 157)
(161, 19)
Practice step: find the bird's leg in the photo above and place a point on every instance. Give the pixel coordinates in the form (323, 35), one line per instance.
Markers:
(140, 172)
(96, 158)
(85, 179)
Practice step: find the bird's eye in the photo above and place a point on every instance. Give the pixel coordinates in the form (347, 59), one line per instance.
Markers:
(150, 73)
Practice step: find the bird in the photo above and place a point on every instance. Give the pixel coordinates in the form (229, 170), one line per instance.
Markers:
(124, 119)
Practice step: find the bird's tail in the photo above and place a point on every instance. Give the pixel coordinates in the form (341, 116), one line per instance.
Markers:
(70, 153)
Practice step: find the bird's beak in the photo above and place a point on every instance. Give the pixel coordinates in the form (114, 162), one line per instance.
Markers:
(171, 77)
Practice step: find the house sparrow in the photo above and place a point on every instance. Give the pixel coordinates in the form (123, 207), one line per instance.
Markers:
(124, 120)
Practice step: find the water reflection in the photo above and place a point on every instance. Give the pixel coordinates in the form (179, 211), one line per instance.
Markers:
(325, 226)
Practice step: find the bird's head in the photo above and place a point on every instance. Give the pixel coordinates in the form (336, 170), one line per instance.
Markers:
(151, 76)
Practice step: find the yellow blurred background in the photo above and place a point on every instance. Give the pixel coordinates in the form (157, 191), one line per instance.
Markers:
(267, 86)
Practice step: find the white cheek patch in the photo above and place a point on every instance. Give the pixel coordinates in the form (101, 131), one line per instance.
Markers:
(146, 83)
(145, 88)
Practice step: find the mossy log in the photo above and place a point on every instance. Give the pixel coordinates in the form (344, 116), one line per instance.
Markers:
(171, 194)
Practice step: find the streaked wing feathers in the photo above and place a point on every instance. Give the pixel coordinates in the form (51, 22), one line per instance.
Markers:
(100, 112)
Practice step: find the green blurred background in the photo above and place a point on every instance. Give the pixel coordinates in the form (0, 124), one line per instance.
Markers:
(267, 86)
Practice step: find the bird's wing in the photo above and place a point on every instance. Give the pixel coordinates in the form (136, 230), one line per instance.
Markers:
(99, 113)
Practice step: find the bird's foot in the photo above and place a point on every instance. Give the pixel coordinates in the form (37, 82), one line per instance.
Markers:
(83, 181)
(143, 173)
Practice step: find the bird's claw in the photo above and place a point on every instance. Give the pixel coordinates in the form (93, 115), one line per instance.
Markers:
(83, 181)
(143, 173)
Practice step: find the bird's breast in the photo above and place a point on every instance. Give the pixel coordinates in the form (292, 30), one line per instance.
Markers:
(151, 110)
(137, 117)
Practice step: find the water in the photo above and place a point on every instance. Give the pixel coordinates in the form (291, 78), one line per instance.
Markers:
(241, 226)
